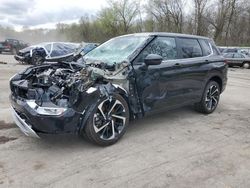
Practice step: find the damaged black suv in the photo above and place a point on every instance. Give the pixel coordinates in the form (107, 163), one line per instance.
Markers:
(126, 78)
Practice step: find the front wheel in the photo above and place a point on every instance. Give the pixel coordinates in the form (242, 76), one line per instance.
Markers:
(210, 98)
(246, 65)
(37, 59)
(108, 121)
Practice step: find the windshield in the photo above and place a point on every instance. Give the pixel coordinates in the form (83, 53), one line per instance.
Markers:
(115, 50)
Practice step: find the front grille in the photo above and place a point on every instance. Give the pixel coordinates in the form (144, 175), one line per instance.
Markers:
(18, 91)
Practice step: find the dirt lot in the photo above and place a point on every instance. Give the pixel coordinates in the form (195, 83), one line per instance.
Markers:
(179, 148)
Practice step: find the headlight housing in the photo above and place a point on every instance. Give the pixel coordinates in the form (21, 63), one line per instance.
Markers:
(51, 111)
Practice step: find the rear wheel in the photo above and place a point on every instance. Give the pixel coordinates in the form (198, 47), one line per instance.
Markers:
(37, 59)
(108, 121)
(210, 98)
(246, 65)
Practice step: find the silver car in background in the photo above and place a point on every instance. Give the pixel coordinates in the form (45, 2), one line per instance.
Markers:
(237, 59)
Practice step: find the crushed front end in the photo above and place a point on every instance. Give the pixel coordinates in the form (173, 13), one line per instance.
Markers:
(57, 98)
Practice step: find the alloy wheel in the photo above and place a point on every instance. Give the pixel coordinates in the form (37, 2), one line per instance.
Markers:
(212, 97)
(246, 65)
(109, 119)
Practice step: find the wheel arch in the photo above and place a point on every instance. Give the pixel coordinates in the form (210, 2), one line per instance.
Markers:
(245, 62)
(114, 89)
(217, 79)
(124, 94)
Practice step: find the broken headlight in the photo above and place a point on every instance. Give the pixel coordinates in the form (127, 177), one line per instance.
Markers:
(52, 111)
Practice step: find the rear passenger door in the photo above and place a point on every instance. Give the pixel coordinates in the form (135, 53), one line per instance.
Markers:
(193, 63)
(238, 59)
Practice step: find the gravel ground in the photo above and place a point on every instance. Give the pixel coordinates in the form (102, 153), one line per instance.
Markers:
(179, 148)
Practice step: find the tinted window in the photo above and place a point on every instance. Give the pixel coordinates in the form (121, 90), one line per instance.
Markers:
(230, 55)
(190, 48)
(238, 56)
(215, 50)
(205, 47)
(221, 49)
(230, 50)
(163, 46)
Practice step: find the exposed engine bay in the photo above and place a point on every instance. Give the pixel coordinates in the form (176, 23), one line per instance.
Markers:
(61, 83)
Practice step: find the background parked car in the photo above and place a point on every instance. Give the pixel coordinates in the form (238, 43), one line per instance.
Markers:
(238, 59)
(230, 50)
(49, 51)
(12, 46)
(1, 47)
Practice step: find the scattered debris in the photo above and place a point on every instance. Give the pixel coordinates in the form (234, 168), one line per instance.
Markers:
(3, 62)
(4, 125)
(4, 139)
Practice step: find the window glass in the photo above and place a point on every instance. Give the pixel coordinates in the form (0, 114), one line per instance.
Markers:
(48, 47)
(215, 50)
(163, 46)
(61, 49)
(230, 50)
(116, 50)
(190, 48)
(229, 55)
(206, 47)
(238, 56)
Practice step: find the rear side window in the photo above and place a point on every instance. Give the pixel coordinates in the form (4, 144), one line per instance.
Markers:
(238, 56)
(189, 48)
(230, 50)
(215, 50)
(229, 55)
(205, 47)
(163, 46)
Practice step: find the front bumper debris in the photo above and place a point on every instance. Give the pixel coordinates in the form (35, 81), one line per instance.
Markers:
(56, 124)
(24, 127)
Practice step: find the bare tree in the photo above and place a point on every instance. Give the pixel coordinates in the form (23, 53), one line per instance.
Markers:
(167, 13)
(126, 12)
(200, 6)
(220, 17)
(227, 21)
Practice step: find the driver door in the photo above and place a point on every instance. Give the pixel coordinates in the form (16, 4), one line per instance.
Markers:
(158, 85)
(171, 84)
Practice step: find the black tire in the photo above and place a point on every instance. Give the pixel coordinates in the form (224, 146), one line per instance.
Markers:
(36, 59)
(246, 65)
(104, 128)
(210, 98)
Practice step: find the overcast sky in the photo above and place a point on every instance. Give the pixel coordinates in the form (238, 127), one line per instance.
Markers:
(45, 13)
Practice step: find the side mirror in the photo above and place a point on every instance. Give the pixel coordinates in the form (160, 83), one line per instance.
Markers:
(153, 59)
